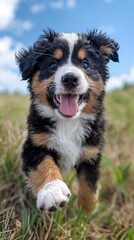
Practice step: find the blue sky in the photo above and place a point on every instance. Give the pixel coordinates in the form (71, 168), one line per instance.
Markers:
(22, 21)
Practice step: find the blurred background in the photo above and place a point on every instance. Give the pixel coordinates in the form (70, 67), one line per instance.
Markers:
(21, 23)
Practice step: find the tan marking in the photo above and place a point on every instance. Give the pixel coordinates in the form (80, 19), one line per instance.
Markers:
(40, 139)
(96, 88)
(90, 105)
(107, 50)
(90, 153)
(40, 87)
(81, 54)
(95, 85)
(58, 54)
(47, 171)
(87, 198)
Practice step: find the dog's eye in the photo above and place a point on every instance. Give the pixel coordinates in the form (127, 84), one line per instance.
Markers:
(85, 64)
(54, 66)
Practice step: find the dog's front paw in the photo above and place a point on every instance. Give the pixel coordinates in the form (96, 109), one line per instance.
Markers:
(53, 196)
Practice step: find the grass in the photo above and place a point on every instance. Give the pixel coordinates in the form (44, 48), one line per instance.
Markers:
(114, 219)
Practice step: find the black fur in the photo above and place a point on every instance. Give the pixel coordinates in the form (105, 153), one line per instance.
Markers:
(98, 39)
(38, 57)
(96, 137)
(37, 123)
(90, 171)
(33, 155)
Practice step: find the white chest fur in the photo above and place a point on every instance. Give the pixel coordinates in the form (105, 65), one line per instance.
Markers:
(68, 136)
(67, 139)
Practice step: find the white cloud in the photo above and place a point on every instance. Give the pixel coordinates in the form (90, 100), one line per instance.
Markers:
(19, 26)
(9, 73)
(35, 8)
(8, 19)
(26, 25)
(108, 29)
(60, 4)
(71, 3)
(7, 52)
(108, 1)
(119, 81)
(7, 12)
(10, 82)
(57, 4)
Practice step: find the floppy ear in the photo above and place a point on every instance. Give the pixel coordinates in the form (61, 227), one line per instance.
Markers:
(105, 45)
(27, 61)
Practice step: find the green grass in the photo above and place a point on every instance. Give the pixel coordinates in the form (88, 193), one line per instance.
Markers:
(120, 113)
(114, 219)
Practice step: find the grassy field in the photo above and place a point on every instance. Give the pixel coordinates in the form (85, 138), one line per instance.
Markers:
(114, 219)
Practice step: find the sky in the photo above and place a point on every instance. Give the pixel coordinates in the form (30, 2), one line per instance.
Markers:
(22, 21)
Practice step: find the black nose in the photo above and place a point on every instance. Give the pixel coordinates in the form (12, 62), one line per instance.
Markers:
(70, 80)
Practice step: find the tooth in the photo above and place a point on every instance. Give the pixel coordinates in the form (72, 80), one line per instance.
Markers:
(77, 97)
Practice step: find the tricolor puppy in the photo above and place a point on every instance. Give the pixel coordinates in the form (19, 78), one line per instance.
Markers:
(66, 76)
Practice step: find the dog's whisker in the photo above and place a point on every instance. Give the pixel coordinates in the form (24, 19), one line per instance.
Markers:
(49, 91)
(94, 89)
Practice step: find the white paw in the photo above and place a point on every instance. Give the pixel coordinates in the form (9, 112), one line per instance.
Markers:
(53, 196)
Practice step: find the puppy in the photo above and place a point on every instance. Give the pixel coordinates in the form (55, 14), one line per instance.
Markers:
(66, 76)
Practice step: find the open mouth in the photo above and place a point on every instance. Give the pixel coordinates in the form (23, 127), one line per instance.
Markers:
(68, 104)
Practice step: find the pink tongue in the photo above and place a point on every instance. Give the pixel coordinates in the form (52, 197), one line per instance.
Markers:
(68, 105)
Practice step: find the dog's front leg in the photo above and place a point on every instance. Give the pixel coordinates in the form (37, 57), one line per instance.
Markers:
(88, 174)
(52, 192)
(45, 179)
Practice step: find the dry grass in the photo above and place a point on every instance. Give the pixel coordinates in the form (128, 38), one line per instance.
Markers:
(114, 219)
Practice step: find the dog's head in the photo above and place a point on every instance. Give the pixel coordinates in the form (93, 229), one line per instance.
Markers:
(67, 72)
